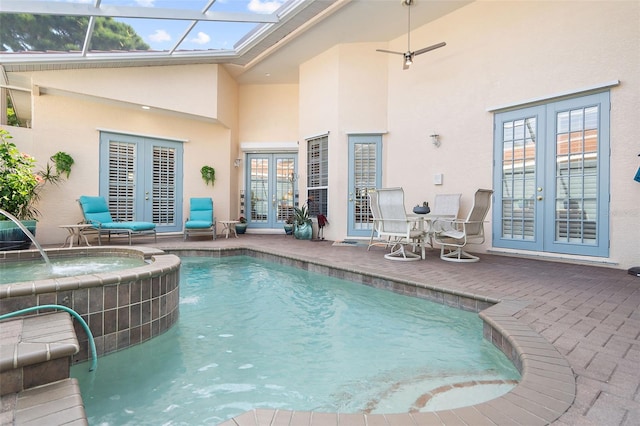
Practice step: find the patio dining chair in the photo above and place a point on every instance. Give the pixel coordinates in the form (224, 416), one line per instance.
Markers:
(96, 213)
(397, 227)
(454, 234)
(201, 220)
(445, 206)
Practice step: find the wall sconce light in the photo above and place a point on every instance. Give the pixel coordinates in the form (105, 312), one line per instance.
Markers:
(236, 162)
(435, 139)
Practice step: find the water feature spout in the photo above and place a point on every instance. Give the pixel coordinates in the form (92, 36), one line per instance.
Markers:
(28, 234)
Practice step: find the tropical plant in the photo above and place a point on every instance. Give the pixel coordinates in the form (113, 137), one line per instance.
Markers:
(19, 184)
(63, 162)
(301, 216)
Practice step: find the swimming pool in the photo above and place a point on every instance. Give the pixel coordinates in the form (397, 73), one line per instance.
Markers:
(255, 334)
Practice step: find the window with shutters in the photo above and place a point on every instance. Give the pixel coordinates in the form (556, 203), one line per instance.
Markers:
(318, 174)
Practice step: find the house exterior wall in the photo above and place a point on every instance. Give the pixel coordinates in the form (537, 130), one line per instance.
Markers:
(268, 113)
(497, 53)
(170, 88)
(65, 121)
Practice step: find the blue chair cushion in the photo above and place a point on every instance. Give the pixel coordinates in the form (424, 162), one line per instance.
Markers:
(198, 224)
(200, 214)
(96, 212)
(95, 209)
(131, 226)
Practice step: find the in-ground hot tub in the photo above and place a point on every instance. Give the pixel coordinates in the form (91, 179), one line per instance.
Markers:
(122, 307)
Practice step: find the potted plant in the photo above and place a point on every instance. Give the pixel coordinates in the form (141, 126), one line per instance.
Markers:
(288, 225)
(303, 226)
(208, 174)
(19, 191)
(241, 227)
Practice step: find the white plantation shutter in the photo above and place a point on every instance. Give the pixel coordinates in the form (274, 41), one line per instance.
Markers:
(318, 174)
(364, 175)
(164, 185)
(122, 172)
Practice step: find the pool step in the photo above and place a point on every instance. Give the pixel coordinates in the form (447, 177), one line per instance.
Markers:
(35, 361)
(55, 403)
(35, 351)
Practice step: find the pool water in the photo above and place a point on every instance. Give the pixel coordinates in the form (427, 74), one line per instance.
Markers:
(253, 334)
(33, 270)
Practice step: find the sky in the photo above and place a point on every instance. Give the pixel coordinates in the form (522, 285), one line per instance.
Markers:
(163, 34)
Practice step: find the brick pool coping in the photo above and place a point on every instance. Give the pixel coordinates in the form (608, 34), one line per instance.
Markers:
(546, 390)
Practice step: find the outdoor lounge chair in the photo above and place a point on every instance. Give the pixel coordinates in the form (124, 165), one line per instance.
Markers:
(454, 235)
(201, 220)
(395, 226)
(96, 213)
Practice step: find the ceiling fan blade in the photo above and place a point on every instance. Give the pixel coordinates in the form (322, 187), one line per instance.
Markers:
(427, 49)
(389, 51)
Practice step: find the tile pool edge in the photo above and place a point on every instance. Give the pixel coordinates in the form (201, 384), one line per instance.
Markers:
(122, 308)
(547, 388)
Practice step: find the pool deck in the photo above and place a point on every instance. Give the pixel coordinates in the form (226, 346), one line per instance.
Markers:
(590, 314)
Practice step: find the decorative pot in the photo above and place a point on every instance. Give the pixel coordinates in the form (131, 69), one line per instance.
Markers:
(241, 228)
(288, 228)
(421, 209)
(303, 232)
(13, 238)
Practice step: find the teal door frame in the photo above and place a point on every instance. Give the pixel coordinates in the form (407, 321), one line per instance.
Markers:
(150, 177)
(271, 188)
(365, 174)
(558, 200)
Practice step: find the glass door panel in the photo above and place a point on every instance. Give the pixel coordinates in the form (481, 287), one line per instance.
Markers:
(258, 208)
(364, 175)
(285, 181)
(271, 182)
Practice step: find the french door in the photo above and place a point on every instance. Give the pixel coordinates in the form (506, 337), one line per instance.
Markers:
(365, 158)
(271, 188)
(551, 178)
(141, 178)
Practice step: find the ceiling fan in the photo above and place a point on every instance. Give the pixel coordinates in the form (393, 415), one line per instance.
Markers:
(409, 55)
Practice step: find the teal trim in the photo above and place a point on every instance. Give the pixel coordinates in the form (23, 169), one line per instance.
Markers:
(264, 192)
(360, 182)
(550, 190)
(143, 178)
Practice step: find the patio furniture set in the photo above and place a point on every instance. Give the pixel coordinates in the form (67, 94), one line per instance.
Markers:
(395, 229)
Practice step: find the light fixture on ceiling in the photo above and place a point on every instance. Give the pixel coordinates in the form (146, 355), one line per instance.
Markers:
(145, 107)
(408, 55)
